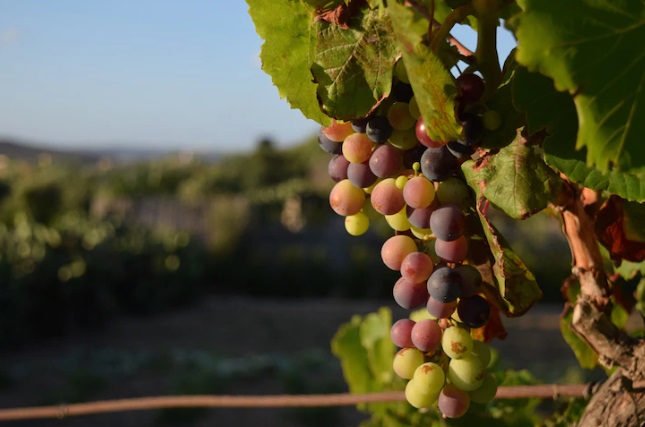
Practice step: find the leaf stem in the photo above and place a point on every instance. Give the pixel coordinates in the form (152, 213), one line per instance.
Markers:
(486, 52)
(453, 18)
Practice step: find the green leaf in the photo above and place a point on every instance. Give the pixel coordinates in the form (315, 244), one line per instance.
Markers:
(584, 353)
(555, 112)
(288, 51)
(375, 337)
(433, 85)
(502, 102)
(353, 68)
(593, 49)
(516, 180)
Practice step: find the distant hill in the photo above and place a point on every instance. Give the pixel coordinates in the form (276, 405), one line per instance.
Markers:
(20, 150)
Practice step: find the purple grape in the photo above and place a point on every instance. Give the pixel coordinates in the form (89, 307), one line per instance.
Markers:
(385, 161)
(471, 87)
(378, 129)
(360, 174)
(401, 333)
(337, 167)
(460, 150)
(453, 403)
(452, 251)
(329, 146)
(409, 295)
(444, 285)
(474, 311)
(471, 280)
(437, 164)
(420, 218)
(360, 125)
(447, 223)
(440, 310)
(473, 128)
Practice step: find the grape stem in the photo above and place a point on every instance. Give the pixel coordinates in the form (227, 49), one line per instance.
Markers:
(486, 52)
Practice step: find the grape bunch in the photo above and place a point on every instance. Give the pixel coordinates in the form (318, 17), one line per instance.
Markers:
(387, 164)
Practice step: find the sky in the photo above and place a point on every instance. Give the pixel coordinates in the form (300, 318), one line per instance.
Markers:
(141, 74)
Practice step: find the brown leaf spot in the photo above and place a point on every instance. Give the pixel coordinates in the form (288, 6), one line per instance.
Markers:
(610, 230)
(343, 14)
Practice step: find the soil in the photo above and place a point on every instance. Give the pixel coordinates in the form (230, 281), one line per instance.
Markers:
(233, 328)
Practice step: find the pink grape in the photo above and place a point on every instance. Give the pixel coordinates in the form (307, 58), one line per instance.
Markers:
(453, 403)
(440, 310)
(395, 249)
(387, 198)
(346, 199)
(417, 267)
(409, 295)
(423, 137)
(401, 333)
(454, 251)
(338, 131)
(418, 192)
(357, 148)
(385, 161)
(426, 335)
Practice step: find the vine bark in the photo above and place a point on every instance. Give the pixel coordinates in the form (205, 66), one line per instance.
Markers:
(620, 401)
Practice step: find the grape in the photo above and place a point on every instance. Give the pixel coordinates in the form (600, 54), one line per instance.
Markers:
(413, 107)
(420, 218)
(460, 150)
(329, 146)
(385, 161)
(399, 116)
(338, 131)
(453, 191)
(429, 377)
(400, 72)
(418, 192)
(426, 336)
(421, 233)
(395, 249)
(357, 148)
(456, 342)
(398, 221)
(403, 140)
(400, 182)
(423, 137)
(409, 295)
(413, 155)
(473, 311)
(346, 199)
(437, 164)
(402, 92)
(417, 398)
(357, 224)
(387, 198)
(444, 284)
(417, 267)
(486, 392)
(454, 251)
(473, 128)
(360, 174)
(471, 280)
(337, 167)
(470, 86)
(360, 125)
(453, 403)
(491, 120)
(447, 222)
(401, 333)
(482, 352)
(406, 361)
(440, 310)
(466, 373)
(378, 129)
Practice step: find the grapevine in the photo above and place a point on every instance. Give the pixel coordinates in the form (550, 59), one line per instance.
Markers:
(428, 135)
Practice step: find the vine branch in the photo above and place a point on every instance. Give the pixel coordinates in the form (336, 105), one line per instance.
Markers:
(552, 391)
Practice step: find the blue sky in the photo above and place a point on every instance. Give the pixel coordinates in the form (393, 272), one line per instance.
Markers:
(142, 74)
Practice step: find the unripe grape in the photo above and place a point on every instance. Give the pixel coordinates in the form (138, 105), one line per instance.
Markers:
(357, 224)
(486, 391)
(456, 342)
(466, 373)
(406, 361)
(429, 378)
(417, 398)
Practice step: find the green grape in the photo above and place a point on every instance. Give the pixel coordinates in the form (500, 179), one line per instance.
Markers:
(453, 191)
(399, 116)
(482, 352)
(414, 108)
(485, 392)
(417, 398)
(491, 120)
(400, 72)
(406, 361)
(357, 224)
(466, 373)
(421, 233)
(456, 342)
(404, 140)
(398, 221)
(400, 182)
(429, 378)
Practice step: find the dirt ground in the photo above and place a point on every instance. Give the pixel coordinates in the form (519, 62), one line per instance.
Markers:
(127, 354)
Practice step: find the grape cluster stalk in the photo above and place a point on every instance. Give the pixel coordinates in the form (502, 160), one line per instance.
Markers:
(387, 165)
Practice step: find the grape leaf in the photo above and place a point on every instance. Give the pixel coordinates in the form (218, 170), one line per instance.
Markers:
(546, 108)
(586, 356)
(433, 85)
(616, 229)
(353, 67)
(515, 180)
(593, 49)
(288, 30)
(375, 336)
(502, 102)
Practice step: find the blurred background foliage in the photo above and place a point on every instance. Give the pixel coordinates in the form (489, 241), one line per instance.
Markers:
(83, 240)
